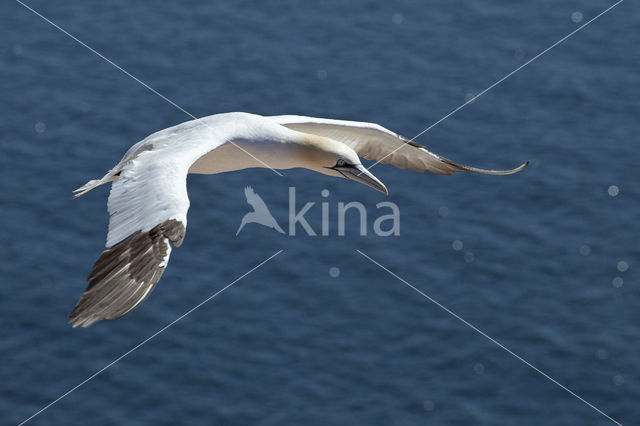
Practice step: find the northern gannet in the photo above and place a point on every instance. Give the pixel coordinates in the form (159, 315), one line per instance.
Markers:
(148, 201)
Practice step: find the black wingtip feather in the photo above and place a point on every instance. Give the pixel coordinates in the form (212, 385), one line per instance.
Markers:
(125, 274)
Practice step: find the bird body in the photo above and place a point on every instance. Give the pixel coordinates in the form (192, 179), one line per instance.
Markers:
(148, 201)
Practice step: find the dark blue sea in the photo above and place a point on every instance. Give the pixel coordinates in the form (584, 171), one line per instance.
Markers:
(545, 262)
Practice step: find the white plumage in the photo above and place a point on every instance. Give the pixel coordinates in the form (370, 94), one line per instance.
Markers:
(148, 202)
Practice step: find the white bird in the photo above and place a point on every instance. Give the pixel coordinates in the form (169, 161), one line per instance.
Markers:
(260, 213)
(148, 202)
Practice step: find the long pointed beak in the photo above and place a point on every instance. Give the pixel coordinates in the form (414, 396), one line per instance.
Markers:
(360, 174)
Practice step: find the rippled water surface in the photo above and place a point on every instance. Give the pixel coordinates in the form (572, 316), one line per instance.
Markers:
(546, 262)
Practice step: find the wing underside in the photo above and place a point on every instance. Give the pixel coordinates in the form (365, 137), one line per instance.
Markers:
(374, 142)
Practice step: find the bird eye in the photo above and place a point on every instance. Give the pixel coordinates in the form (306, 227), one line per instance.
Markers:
(341, 163)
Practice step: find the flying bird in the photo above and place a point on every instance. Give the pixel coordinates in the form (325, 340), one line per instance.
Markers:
(260, 213)
(148, 202)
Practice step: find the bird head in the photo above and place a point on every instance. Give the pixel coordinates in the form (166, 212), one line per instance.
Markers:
(333, 158)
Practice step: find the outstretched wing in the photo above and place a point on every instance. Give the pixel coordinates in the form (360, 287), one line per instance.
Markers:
(148, 207)
(374, 142)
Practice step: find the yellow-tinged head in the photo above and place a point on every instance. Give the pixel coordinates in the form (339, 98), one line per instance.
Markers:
(333, 158)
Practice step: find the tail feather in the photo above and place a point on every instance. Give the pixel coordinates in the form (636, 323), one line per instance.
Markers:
(92, 184)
